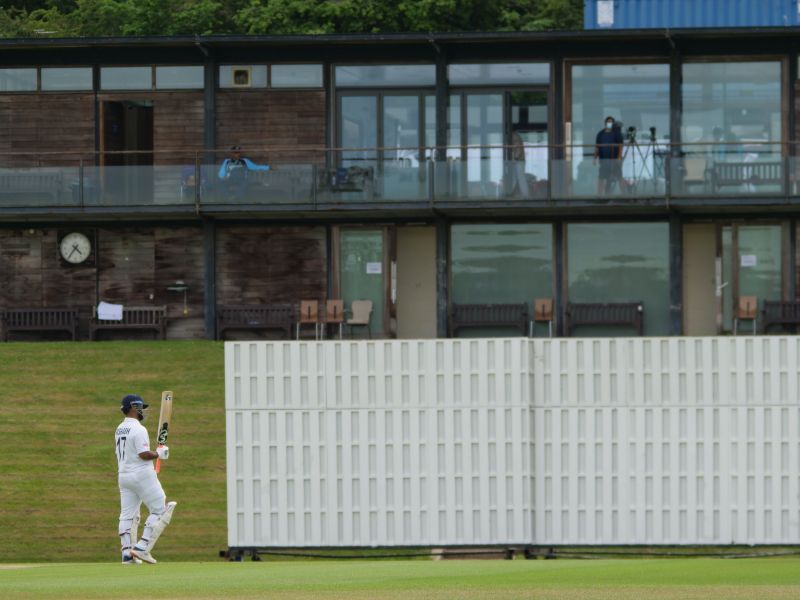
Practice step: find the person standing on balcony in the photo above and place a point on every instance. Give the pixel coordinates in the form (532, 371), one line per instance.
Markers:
(233, 172)
(518, 178)
(608, 149)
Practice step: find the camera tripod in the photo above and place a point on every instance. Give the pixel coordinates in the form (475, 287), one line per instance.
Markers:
(639, 171)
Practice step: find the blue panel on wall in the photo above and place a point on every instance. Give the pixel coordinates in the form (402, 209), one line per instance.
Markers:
(677, 14)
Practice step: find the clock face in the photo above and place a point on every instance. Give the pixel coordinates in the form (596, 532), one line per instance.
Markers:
(75, 248)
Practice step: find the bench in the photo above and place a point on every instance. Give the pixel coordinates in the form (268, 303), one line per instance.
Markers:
(256, 317)
(778, 312)
(346, 179)
(153, 318)
(740, 173)
(40, 319)
(20, 183)
(615, 313)
(488, 315)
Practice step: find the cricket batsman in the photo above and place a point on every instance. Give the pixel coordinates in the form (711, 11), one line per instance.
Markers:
(139, 483)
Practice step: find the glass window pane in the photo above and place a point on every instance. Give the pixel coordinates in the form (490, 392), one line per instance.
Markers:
(401, 128)
(529, 133)
(385, 76)
(17, 80)
(501, 264)
(454, 127)
(484, 144)
(736, 106)
(760, 262)
(362, 272)
(430, 124)
(491, 74)
(66, 78)
(637, 97)
(296, 76)
(126, 78)
(179, 78)
(243, 76)
(359, 129)
(621, 262)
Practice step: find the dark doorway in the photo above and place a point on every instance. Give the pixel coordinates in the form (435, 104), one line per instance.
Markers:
(126, 154)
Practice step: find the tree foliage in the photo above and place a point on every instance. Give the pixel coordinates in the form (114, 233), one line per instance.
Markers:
(97, 18)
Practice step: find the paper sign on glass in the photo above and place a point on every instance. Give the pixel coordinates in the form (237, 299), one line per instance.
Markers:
(749, 260)
(374, 268)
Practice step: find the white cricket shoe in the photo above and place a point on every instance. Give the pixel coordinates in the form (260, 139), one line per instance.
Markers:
(127, 559)
(143, 555)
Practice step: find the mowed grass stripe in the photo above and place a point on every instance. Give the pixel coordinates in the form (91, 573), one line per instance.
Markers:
(60, 406)
(701, 579)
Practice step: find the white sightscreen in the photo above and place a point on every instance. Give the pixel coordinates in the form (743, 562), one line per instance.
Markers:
(495, 441)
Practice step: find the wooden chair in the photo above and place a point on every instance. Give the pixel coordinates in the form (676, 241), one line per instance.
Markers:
(543, 313)
(361, 311)
(309, 315)
(747, 310)
(334, 315)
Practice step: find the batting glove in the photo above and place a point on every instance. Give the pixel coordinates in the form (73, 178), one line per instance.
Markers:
(163, 452)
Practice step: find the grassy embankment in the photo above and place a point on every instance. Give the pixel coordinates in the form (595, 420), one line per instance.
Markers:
(59, 406)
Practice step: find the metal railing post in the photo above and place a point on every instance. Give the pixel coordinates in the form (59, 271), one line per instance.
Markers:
(314, 175)
(432, 173)
(198, 182)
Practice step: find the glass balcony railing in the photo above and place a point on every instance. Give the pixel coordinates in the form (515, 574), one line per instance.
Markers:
(686, 173)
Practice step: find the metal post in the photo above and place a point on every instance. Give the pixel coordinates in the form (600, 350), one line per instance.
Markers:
(559, 292)
(442, 288)
(210, 277)
(80, 183)
(675, 275)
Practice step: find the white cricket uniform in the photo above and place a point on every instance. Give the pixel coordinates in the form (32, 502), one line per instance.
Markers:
(137, 478)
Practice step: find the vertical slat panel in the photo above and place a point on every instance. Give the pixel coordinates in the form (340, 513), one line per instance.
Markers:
(492, 441)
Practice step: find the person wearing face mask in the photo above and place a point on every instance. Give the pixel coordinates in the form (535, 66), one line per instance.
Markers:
(608, 150)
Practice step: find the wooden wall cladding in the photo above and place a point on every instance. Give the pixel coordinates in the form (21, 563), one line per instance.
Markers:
(126, 265)
(178, 123)
(61, 126)
(284, 119)
(135, 266)
(264, 265)
(179, 257)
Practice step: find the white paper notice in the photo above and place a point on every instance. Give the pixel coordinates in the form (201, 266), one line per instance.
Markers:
(605, 13)
(109, 312)
(749, 260)
(374, 268)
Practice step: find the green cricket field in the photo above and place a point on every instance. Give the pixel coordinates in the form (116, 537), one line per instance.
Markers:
(562, 579)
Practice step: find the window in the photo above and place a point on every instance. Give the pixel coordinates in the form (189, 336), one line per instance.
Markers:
(126, 78)
(386, 76)
(66, 78)
(243, 76)
(501, 264)
(637, 97)
(18, 80)
(499, 74)
(621, 262)
(735, 105)
(296, 76)
(179, 78)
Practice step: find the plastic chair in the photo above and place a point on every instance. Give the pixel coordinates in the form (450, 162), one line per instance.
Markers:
(543, 313)
(309, 315)
(334, 315)
(361, 311)
(695, 171)
(747, 310)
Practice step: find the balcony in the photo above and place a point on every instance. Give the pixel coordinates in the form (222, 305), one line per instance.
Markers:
(480, 178)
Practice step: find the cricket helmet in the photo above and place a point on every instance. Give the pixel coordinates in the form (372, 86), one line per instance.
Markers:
(134, 401)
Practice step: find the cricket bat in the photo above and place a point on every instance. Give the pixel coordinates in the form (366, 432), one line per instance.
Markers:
(164, 420)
